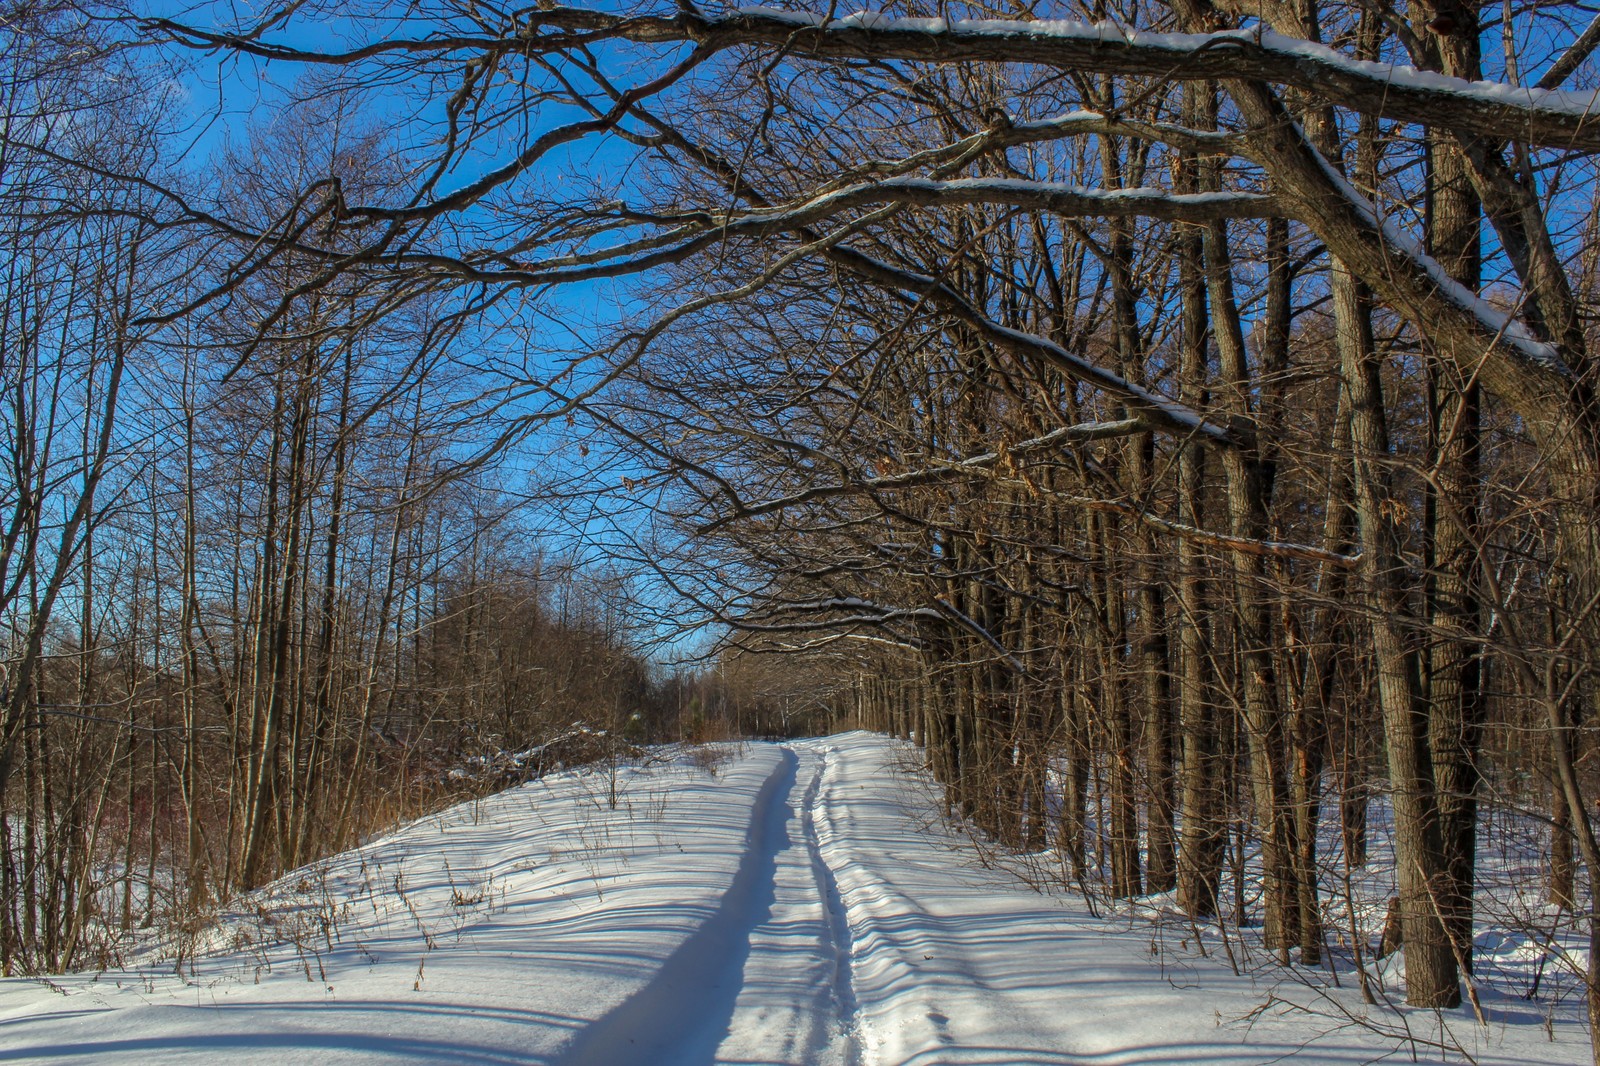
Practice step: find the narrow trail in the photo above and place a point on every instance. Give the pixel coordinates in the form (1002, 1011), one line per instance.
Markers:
(686, 1010)
(839, 941)
(767, 977)
(795, 1004)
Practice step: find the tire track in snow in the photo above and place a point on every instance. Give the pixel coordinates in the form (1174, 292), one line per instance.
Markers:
(681, 1016)
(894, 940)
(923, 962)
(836, 921)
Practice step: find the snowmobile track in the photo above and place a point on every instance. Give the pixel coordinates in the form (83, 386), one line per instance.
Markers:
(683, 1013)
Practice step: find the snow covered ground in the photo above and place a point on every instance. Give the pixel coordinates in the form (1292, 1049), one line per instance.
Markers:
(793, 904)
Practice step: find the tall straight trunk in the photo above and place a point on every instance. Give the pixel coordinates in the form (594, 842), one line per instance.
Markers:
(322, 698)
(1203, 838)
(1249, 485)
(1310, 719)
(1304, 718)
(259, 731)
(1432, 979)
(1038, 728)
(1155, 675)
(1456, 693)
(1116, 721)
(1151, 686)
(196, 891)
(265, 822)
(1306, 731)
(33, 788)
(1204, 828)
(1034, 722)
(999, 708)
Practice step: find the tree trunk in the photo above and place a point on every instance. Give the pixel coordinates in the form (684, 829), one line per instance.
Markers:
(1431, 972)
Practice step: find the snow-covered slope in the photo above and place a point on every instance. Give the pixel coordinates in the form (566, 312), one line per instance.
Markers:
(792, 905)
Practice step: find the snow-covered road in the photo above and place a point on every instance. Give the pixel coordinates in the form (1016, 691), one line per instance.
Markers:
(766, 977)
(790, 906)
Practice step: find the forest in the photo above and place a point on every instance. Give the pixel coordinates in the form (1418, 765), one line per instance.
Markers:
(1178, 417)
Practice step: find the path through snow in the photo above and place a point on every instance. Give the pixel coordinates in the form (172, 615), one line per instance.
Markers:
(792, 908)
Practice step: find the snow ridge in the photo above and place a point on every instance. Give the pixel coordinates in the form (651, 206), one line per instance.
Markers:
(840, 941)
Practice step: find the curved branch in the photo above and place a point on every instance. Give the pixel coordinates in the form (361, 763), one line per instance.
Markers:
(1545, 117)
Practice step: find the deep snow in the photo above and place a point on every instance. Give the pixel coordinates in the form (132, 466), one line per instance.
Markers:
(796, 904)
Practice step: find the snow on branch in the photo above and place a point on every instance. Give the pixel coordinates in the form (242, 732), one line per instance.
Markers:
(694, 232)
(1546, 117)
(1055, 197)
(1158, 411)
